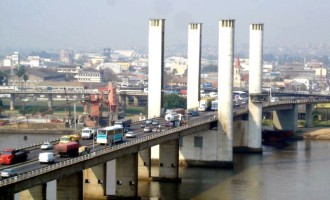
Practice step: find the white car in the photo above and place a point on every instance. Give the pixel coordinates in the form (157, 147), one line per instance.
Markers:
(6, 173)
(46, 145)
(130, 134)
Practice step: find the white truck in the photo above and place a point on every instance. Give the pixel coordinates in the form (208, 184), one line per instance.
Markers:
(174, 119)
(214, 105)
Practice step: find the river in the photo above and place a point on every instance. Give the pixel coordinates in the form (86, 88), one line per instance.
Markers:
(292, 170)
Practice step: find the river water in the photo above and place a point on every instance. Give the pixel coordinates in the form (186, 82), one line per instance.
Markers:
(292, 170)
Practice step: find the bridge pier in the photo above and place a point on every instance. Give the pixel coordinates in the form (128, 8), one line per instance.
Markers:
(286, 119)
(169, 161)
(309, 115)
(50, 101)
(94, 182)
(70, 187)
(35, 193)
(126, 177)
(144, 164)
(225, 110)
(12, 102)
(135, 101)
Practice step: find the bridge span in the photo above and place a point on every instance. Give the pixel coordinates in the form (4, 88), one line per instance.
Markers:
(89, 175)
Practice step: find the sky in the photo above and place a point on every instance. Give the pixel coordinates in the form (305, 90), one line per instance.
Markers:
(123, 24)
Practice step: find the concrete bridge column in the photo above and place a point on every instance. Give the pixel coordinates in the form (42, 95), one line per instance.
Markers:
(34, 193)
(50, 101)
(194, 63)
(94, 182)
(286, 119)
(144, 164)
(225, 110)
(126, 176)
(126, 101)
(12, 102)
(308, 115)
(156, 66)
(169, 161)
(70, 187)
(135, 101)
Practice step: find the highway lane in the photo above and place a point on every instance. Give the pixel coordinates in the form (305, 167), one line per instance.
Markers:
(32, 163)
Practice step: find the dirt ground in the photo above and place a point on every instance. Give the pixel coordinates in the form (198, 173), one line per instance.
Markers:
(317, 133)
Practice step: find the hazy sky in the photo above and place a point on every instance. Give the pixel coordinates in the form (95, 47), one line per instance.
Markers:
(91, 24)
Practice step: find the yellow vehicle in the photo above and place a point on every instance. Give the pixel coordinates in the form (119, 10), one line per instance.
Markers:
(70, 138)
(83, 150)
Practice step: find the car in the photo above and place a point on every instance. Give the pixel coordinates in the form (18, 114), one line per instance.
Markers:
(274, 99)
(149, 121)
(143, 125)
(46, 157)
(130, 134)
(147, 129)
(6, 173)
(46, 145)
(155, 123)
(193, 113)
(156, 129)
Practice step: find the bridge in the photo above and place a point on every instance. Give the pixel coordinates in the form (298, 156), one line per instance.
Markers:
(114, 171)
(132, 161)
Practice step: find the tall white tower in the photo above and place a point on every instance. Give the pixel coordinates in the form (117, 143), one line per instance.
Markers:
(225, 89)
(194, 64)
(156, 66)
(255, 87)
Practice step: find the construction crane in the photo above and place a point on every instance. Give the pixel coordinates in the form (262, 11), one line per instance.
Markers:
(68, 107)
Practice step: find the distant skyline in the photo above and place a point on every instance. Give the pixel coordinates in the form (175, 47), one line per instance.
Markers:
(123, 24)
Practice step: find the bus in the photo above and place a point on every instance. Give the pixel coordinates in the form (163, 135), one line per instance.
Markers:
(240, 96)
(109, 135)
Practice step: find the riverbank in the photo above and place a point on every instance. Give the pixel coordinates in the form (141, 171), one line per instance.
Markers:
(316, 133)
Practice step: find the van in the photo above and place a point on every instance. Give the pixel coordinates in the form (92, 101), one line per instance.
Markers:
(46, 157)
(87, 133)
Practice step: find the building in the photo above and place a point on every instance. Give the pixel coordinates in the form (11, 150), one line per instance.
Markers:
(89, 75)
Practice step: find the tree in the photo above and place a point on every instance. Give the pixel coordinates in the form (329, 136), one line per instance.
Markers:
(174, 101)
(25, 78)
(20, 72)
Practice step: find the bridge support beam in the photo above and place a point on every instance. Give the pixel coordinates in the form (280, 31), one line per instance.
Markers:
(240, 135)
(94, 182)
(70, 187)
(169, 161)
(309, 115)
(144, 164)
(12, 102)
(50, 101)
(127, 176)
(286, 119)
(135, 101)
(34, 193)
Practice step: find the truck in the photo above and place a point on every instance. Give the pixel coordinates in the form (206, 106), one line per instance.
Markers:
(69, 138)
(68, 149)
(205, 104)
(214, 105)
(174, 119)
(11, 156)
(88, 133)
(123, 123)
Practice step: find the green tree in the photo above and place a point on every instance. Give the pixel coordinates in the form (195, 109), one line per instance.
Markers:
(174, 101)
(25, 78)
(20, 72)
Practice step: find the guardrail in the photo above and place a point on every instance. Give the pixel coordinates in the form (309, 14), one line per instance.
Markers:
(92, 155)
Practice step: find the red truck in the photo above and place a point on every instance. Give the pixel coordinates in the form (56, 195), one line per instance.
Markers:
(67, 149)
(11, 156)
